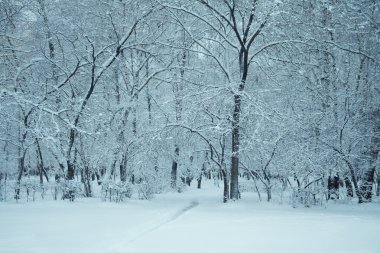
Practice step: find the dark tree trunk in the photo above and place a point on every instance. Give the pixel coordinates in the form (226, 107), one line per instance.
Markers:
(269, 194)
(354, 181)
(330, 187)
(333, 187)
(199, 181)
(70, 170)
(336, 186)
(41, 166)
(203, 171)
(123, 174)
(70, 165)
(123, 168)
(45, 174)
(21, 166)
(369, 176)
(86, 180)
(350, 192)
(188, 181)
(367, 186)
(174, 174)
(225, 186)
(174, 168)
(235, 150)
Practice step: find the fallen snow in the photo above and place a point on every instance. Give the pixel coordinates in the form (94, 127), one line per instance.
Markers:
(193, 221)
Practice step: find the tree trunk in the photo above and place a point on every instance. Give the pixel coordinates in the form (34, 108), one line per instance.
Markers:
(174, 168)
(70, 165)
(199, 180)
(225, 186)
(41, 166)
(123, 168)
(21, 165)
(174, 174)
(369, 176)
(234, 191)
(86, 180)
(188, 181)
(350, 192)
(367, 185)
(70, 170)
(269, 194)
(354, 181)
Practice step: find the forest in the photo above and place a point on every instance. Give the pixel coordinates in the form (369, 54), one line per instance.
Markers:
(123, 98)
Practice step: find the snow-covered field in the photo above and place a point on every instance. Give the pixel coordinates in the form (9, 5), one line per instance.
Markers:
(193, 221)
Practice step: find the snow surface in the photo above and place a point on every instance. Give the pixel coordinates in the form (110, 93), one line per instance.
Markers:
(193, 221)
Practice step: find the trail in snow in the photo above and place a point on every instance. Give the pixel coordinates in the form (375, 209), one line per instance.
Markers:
(172, 218)
(180, 213)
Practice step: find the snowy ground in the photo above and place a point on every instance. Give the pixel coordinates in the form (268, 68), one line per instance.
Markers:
(194, 221)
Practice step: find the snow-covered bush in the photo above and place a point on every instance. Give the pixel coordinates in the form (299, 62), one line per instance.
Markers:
(27, 187)
(145, 190)
(31, 187)
(311, 196)
(181, 186)
(116, 191)
(154, 182)
(247, 186)
(71, 189)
